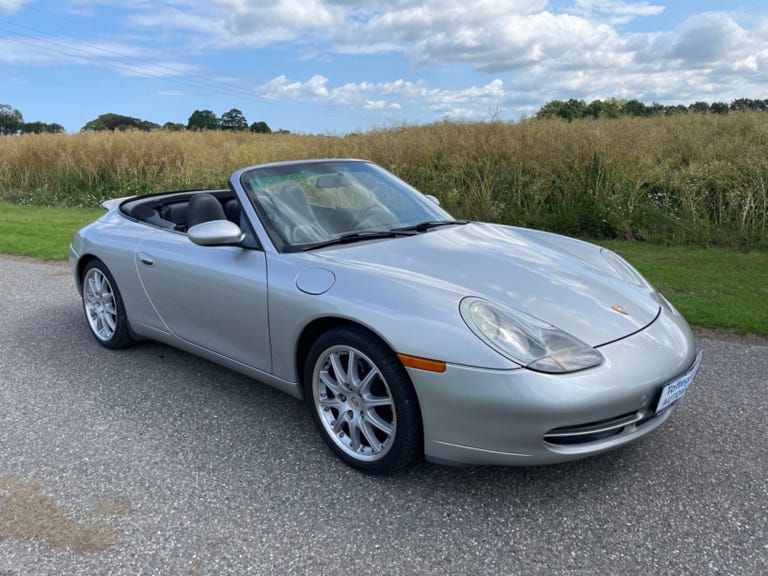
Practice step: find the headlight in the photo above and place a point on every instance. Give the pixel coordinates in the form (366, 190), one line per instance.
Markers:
(526, 340)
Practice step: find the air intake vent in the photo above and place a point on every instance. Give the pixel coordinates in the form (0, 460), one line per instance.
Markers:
(591, 432)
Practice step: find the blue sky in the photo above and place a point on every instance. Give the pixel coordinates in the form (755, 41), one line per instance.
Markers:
(338, 66)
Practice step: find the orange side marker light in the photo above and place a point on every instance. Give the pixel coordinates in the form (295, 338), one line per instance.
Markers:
(422, 363)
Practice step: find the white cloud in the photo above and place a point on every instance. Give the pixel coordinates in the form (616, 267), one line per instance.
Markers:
(249, 16)
(375, 105)
(474, 101)
(707, 38)
(492, 36)
(281, 88)
(240, 23)
(153, 69)
(521, 41)
(126, 59)
(616, 11)
(9, 7)
(20, 50)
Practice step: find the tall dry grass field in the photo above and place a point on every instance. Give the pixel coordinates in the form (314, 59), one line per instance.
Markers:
(696, 178)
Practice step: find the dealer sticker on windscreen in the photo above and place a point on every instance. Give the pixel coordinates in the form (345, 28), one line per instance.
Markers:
(675, 390)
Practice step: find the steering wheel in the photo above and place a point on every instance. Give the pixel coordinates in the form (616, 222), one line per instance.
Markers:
(369, 212)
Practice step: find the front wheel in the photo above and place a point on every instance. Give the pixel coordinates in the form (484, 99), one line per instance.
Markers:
(104, 308)
(362, 401)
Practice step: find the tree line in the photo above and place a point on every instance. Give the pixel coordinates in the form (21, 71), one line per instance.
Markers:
(233, 119)
(12, 122)
(574, 109)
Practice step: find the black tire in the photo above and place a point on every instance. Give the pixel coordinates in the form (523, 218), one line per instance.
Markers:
(103, 307)
(368, 416)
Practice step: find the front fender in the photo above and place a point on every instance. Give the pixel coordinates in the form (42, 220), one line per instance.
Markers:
(415, 318)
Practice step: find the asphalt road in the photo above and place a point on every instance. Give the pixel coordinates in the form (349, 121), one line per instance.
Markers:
(150, 461)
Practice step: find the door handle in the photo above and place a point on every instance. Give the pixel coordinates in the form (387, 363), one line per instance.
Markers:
(146, 259)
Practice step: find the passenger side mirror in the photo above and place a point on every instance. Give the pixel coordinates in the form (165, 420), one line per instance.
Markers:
(434, 199)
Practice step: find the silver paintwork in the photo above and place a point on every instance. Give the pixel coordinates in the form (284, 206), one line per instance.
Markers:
(248, 309)
(215, 233)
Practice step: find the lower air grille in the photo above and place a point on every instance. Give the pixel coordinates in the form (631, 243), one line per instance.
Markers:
(592, 432)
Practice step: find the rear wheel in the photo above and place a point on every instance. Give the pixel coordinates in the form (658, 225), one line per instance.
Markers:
(104, 308)
(362, 401)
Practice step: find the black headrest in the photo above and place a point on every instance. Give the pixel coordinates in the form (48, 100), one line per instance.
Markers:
(203, 208)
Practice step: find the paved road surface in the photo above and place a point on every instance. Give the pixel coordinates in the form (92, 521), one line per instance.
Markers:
(150, 461)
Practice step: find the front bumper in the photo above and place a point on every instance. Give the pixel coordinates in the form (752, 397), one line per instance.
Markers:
(73, 257)
(478, 416)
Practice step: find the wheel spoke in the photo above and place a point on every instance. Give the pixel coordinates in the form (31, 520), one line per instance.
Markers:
(338, 426)
(338, 368)
(376, 420)
(91, 289)
(370, 436)
(329, 382)
(376, 401)
(354, 437)
(110, 322)
(331, 404)
(352, 377)
(99, 281)
(364, 385)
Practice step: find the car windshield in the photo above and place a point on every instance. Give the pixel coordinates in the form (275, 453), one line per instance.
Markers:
(307, 205)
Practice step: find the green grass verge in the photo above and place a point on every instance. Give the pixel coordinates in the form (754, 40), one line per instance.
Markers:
(40, 232)
(712, 287)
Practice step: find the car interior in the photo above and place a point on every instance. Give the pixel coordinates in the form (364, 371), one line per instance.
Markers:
(289, 213)
(181, 210)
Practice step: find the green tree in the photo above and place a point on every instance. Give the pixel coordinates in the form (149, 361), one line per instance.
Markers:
(699, 107)
(748, 104)
(551, 109)
(595, 109)
(635, 108)
(114, 122)
(11, 120)
(574, 109)
(678, 109)
(571, 110)
(42, 128)
(203, 120)
(174, 127)
(611, 108)
(261, 128)
(233, 120)
(719, 107)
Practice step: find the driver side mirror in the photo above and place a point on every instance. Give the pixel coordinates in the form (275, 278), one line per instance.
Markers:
(216, 233)
(434, 199)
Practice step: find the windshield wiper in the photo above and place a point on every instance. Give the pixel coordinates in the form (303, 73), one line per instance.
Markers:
(428, 225)
(353, 237)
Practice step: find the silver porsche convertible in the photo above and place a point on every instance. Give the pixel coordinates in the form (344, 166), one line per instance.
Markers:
(408, 333)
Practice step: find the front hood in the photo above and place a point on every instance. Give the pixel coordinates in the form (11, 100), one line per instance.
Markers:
(562, 281)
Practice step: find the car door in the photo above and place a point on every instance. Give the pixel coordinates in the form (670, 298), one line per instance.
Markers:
(214, 297)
